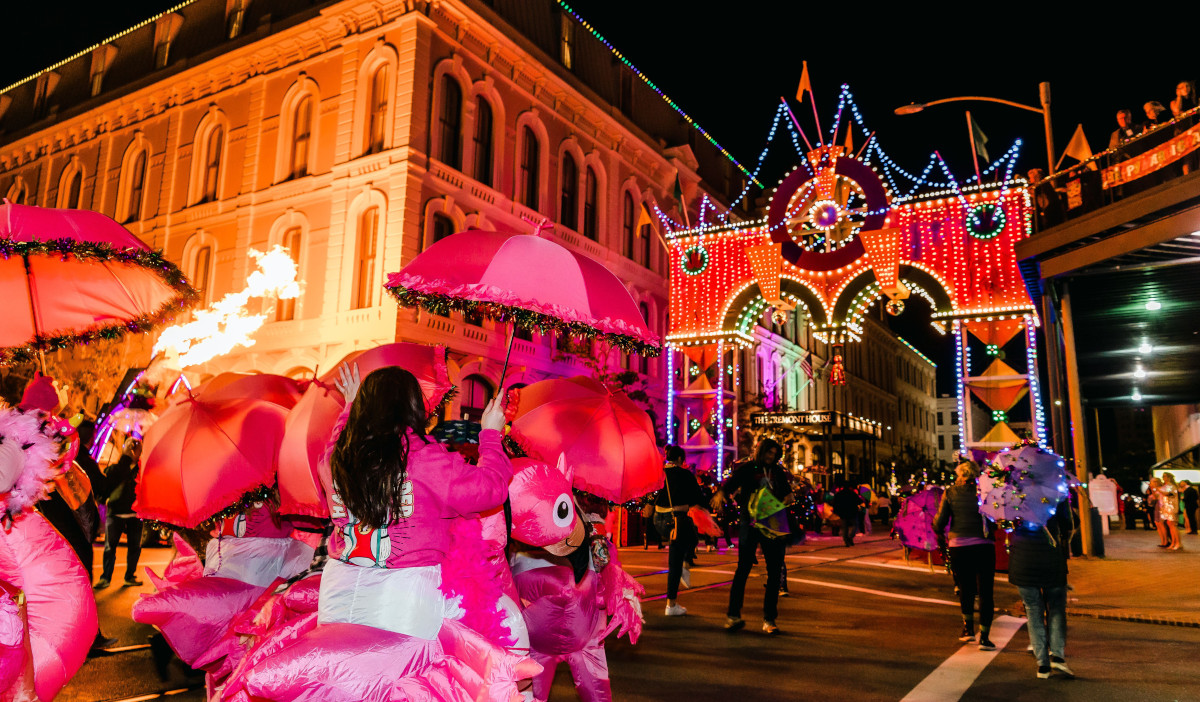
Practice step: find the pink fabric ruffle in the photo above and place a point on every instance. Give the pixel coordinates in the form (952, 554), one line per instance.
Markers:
(490, 293)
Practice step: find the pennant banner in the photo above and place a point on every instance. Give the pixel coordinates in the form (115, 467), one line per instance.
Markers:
(997, 333)
(1001, 398)
(883, 251)
(766, 261)
(1001, 434)
(1152, 160)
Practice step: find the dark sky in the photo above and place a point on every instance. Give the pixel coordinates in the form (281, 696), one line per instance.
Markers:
(728, 68)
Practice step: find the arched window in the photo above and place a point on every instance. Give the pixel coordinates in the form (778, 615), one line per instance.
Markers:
(476, 393)
(301, 137)
(450, 122)
(73, 187)
(211, 176)
(568, 208)
(443, 227)
(364, 273)
(286, 309)
(377, 106)
(645, 233)
(628, 225)
(591, 205)
(19, 192)
(136, 186)
(530, 168)
(484, 141)
(202, 269)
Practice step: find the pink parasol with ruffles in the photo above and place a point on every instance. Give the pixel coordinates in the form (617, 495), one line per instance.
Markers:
(528, 280)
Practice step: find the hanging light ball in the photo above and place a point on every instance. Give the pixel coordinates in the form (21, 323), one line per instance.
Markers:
(894, 307)
(779, 316)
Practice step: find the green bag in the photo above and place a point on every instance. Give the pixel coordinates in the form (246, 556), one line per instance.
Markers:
(769, 513)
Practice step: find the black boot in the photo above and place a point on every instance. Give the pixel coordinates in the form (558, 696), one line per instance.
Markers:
(968, 632)
(985, 643)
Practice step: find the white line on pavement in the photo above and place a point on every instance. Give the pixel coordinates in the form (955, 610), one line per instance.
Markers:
(811, 558)
(868, 591)
(897, 566)
(957, 673)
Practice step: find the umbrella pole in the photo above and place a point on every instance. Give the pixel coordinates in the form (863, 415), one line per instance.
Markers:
(512, 333)
(33, 311)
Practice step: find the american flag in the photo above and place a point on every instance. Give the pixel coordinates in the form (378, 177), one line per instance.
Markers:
(806, 365)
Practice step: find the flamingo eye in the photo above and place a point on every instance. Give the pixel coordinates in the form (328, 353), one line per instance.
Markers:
(564, 511)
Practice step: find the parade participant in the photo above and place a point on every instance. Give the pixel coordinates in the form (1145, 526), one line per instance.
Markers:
(972, 551)
(47, 613)
(1037, 565)
(764, 472)
(671, 520)
(121, 519)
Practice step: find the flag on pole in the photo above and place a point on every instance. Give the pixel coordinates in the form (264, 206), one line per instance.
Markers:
(806, 365)
(850, 140)
(643, 220)
(805, 85)
(1078, 148)
(979, 140)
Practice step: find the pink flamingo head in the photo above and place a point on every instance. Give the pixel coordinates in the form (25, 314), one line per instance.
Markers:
(543, 510)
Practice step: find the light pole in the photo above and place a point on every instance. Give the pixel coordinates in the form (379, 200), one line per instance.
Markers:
(1044, 110)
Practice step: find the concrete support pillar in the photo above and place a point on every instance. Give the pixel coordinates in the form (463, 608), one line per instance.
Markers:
(1078, 424)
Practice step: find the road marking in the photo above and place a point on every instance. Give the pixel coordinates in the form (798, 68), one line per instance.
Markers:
(682, 591)
(124, 649)
(954, 677)
(811, 558)
(868, 591)
(897, 566)
(158, 695)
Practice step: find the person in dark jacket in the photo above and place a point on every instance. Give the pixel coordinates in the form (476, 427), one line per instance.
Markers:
(972, 551)
(1191, 501)
(673, 523)
(747, 479)
(121, 518)
(1037, 565)
(848, 505)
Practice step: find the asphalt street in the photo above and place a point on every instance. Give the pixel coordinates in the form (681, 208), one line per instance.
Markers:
(859, 624)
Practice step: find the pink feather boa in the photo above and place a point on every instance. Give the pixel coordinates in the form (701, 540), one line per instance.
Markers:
(37, 433)
(470, 574)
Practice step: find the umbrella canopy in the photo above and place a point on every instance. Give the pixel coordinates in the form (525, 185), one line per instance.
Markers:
(609, 442)
(914, 524)
(278, 389)
(529, 280)
(310, 424)
(1024, 485)
(202, 456)
(72, 276)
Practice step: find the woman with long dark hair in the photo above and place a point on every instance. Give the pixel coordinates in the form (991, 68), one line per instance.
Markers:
(394, 494)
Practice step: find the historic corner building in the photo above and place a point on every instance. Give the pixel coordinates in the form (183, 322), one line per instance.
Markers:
(354, 134)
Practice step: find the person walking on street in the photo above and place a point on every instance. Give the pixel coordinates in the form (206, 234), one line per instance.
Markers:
(673, 524)
(1037, 566)
(121, 518)
(848, 505)
(1153, 498)
(747, 479)
(972, 551)
(1168, 510)
(1191, 504)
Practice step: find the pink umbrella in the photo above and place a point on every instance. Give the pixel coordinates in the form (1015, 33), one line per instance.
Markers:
(73, 276)
(531, 281)
(608, 441)
(310, 424)
(278, 389)
(202, 456)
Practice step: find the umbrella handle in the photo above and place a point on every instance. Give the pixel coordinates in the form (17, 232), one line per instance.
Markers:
(512, 333)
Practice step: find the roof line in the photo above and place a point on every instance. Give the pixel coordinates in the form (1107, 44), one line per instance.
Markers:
(97, 45)
(687, 118)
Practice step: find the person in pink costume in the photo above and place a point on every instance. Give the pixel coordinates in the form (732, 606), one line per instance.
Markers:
(47, 613)
(569, 582)
(383, 629)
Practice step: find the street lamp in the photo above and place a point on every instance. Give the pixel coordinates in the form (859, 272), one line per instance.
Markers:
(1044, 111)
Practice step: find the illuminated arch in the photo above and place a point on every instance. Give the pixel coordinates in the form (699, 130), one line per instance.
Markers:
(787, 286)
(919, 276)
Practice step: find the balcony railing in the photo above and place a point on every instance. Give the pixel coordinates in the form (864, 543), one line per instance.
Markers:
(1156, 156)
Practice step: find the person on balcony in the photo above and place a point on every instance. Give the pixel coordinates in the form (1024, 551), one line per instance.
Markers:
(1126, 129)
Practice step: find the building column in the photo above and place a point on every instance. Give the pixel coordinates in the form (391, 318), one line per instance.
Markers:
(1051, 331)
(1078, 420)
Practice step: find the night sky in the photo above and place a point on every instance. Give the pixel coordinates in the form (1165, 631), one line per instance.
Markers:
(728, 69)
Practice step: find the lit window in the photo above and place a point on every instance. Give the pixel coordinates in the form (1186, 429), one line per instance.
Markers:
(202, 272)
(73, 191)
(530, 167)
(450, 151)
(302, 137)
(364, 275)
(567, 210)
(286, 309)
(628, 225)
(483, 141)
(566, 35)
(377, 106)
(212, 164)
(591, 209)
(476, 393)
(137, 186)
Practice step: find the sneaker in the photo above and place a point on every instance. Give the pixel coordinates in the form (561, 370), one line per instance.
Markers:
(675, 610)
(770, 629)
(102, 583)
(132, 582)
(1029, 650)
(734, 623)
(783, 592)
(985, 644)
(686, 576)
(968, 633)
(1043, 672)
(1061, 666)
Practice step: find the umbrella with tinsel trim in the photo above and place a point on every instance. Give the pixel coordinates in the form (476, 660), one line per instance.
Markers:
(1025, 484)
(73, 276)
(528, 280)
(913, 526)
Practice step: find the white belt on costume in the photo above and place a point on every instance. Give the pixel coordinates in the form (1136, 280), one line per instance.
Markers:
(257, 560)
(403, 600)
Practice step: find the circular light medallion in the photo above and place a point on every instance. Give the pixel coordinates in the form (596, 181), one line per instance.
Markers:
(694, 260)
(824, 214)
(894, 307)
(985, 221)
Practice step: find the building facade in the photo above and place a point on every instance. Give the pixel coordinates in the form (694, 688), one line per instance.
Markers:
(354, 135)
